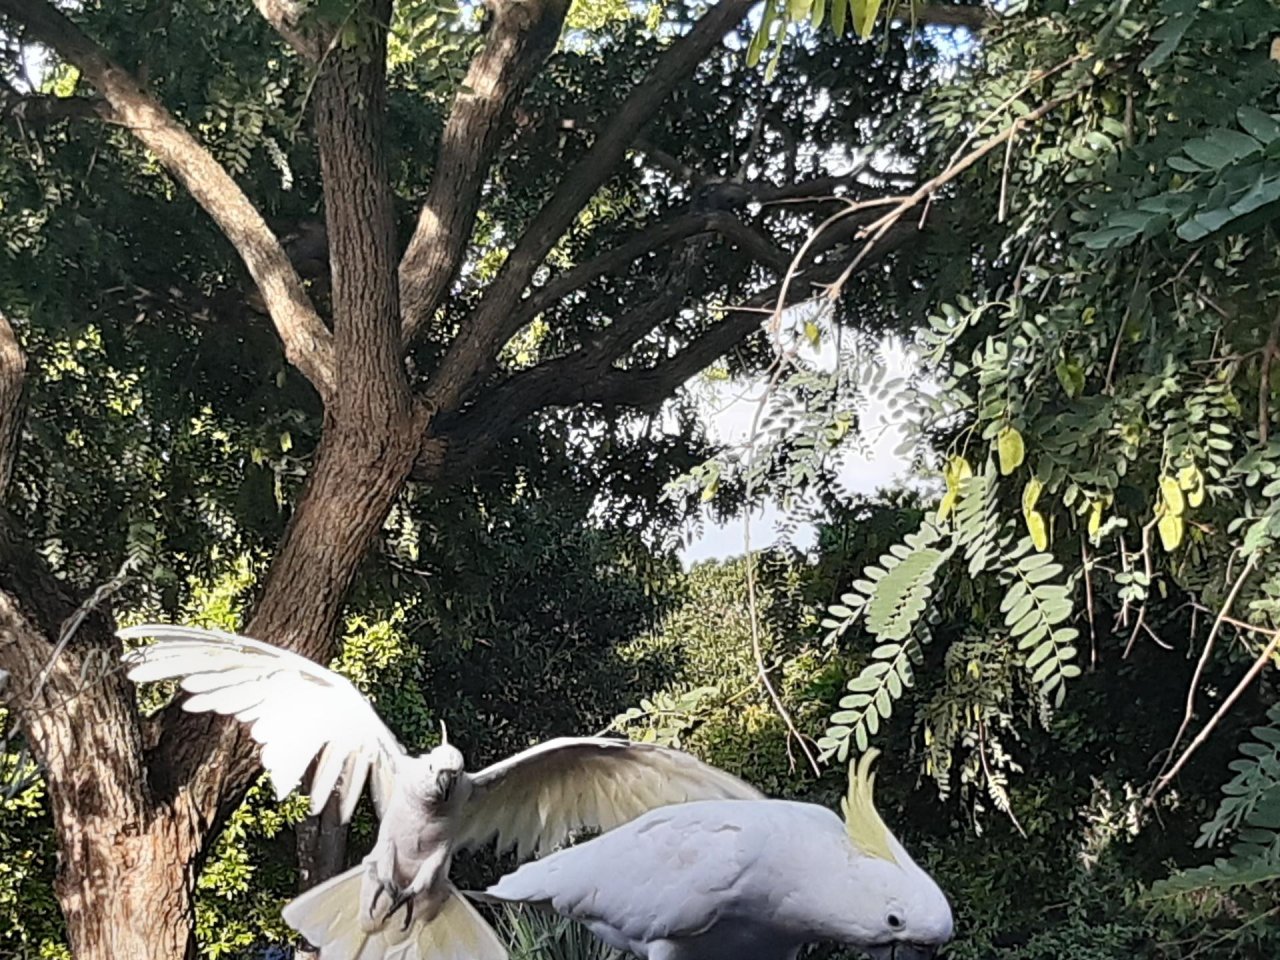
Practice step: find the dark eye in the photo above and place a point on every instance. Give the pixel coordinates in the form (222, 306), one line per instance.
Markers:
(895, 921)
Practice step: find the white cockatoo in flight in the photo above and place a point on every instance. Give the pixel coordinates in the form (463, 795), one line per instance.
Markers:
(725, 881)
(429, 806)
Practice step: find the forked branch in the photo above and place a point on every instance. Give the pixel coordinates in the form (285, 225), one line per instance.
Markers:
(307, 342)
(520, 37)
(492, 324)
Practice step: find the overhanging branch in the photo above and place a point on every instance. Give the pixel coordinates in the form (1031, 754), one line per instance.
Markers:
(521, 35)
(307, 342)
(658, 237)
(948, 15)
(492, 324)
(286, 17)
(590, 376)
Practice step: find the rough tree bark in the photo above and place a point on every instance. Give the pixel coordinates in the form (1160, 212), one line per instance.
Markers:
(136, 804)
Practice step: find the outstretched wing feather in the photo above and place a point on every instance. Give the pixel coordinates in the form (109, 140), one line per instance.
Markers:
(296, 709)
(537, 799)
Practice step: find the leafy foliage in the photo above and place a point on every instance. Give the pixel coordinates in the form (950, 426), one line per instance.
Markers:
(539, 935)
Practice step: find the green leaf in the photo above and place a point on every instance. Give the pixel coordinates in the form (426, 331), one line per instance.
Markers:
(1262, 126)
(1221, 148)
(1170, 34)
(1262, 193)
(839, 8)
(864, 16)
(1071, 376)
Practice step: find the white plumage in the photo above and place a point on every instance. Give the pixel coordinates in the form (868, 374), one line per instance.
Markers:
(722, 881)
(428, 805)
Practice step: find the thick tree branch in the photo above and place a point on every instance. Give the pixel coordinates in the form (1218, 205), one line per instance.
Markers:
(462, 440)
(948, 15)
(657, 237)
(286, 17)
(371, 432)
(590, 376)
(350, 115)
(308, 343)
(38, 109)
(13, 374)
(521, 35)
(492, 324)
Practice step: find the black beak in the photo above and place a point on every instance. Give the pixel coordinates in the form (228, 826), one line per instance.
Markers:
(445, 781)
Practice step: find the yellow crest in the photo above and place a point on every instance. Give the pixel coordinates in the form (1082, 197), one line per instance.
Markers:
(861, 821)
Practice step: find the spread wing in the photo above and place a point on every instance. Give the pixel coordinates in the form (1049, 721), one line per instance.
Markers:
(536, 799)
(294, 707)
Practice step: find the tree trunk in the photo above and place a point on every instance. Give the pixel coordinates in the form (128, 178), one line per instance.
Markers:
(322, 851)
(124, 892)
(357, 475)
(125, 862)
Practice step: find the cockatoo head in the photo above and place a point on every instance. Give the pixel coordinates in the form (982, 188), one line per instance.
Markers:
(437, 773)
(897, 911)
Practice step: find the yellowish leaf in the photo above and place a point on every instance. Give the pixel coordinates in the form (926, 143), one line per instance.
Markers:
(1191, 480)
(1195, 496)
(957, 469)
(1010, 449)
(1030, 494)
(812, 333)
(948, 504)
(974, 669)
(1171, 528)
(1095, 517)
(710, 490)
(1172, 496)
(1039, 532)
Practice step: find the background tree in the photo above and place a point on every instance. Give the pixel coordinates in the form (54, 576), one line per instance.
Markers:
(236, 335)
(1100, 322)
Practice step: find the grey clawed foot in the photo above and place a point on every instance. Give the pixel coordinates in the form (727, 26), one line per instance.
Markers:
(403, 898)
(399, 898)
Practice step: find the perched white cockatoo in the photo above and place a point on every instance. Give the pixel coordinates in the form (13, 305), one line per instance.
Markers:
(429, 806)
(725, 881)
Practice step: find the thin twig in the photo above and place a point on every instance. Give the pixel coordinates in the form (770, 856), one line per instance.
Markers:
(752, 605)
(1146, 566)
(1003, 208)
(1124, 322)
(1004, 105)
(72, 623)
(876, 231)
(982, 755)
(1260, 662)
(1088, 599)
(810, 240)
(1223, 616)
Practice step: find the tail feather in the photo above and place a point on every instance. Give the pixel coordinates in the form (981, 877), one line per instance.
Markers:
(525, 884)
(328, 915)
